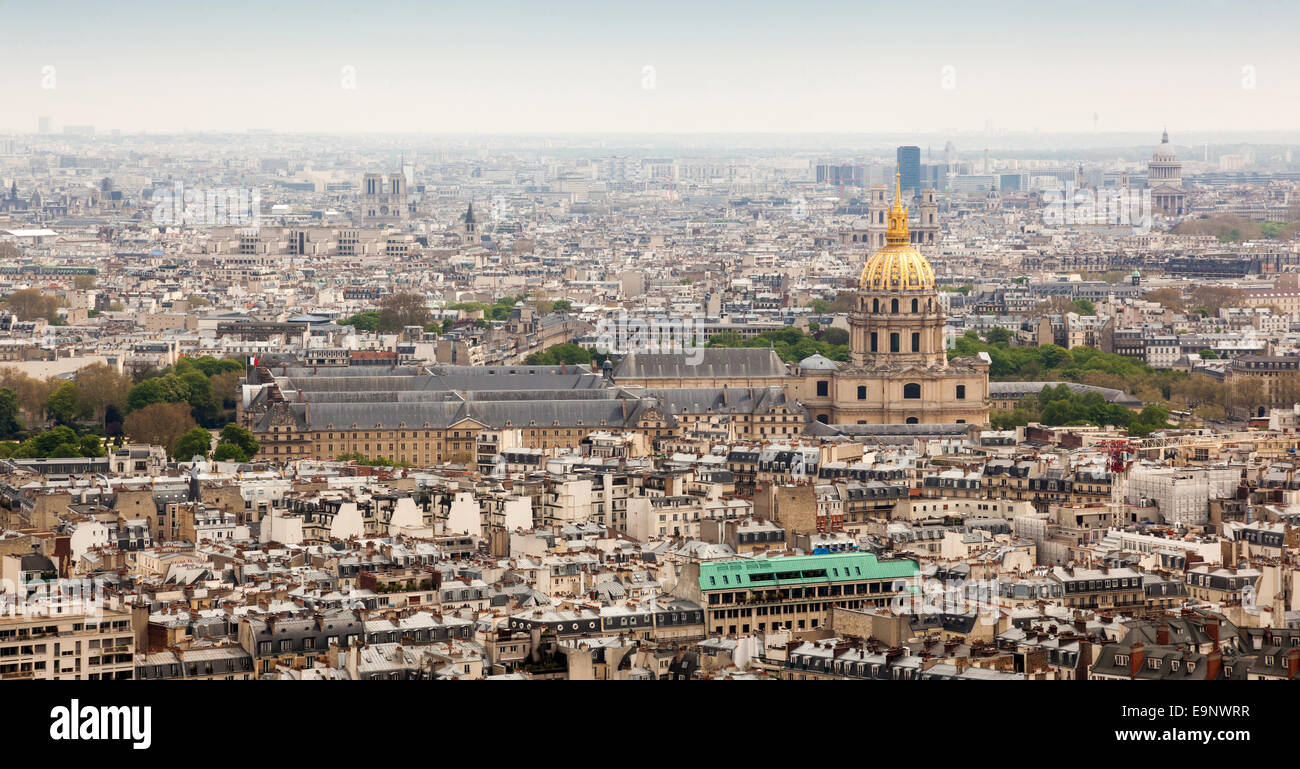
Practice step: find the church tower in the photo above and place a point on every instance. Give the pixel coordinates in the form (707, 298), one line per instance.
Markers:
(471, 224)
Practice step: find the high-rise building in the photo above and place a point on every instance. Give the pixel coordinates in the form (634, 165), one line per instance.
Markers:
(909, 169)
(847, 175)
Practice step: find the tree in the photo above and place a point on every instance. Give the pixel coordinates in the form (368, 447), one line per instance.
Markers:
(58, 442)
(229, 452)
(362, 321)
(819, 306)
(1169, 298)
(569, 353)
(563, 305)
(1211, 413)
(225, 388)
(998, 335)
(836, 336)
(9, 425)
(1215, 298)
(239, 437)
(83, 282)
(1208, 354)
(101, 387)
(32, 393)
(159, 423)
(64, 404)
(195, 443)
(31, 304)
(1084, 307)
(146, 393)
(397, 311)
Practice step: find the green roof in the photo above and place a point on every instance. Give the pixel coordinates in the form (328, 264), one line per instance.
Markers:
(800, 570)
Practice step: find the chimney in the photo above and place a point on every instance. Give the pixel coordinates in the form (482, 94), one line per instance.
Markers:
(1137, 655)
(1292, 663)
(1212, 630)
(1162, 632)
(1213, 662)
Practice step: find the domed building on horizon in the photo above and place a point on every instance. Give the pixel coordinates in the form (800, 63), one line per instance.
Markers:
(898, 370)
(1165, 180)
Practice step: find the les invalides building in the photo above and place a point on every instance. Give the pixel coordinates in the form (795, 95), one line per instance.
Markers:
(898, 371)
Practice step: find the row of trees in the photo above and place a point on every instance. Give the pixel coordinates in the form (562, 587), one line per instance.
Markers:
(572, 354)
(61, 442)
(32, 304)
(95, 392)
(1049, 361)
(1205, 300)
(1061, 406)
(234, 444)
(195, 393)
(790, 344)
(1207, 398)
(207, 385)
(398, 311)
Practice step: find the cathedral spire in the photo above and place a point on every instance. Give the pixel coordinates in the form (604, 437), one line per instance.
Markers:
(897, 235)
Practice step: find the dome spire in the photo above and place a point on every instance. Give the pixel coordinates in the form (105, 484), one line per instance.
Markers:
(1164, 138)
(897, 235)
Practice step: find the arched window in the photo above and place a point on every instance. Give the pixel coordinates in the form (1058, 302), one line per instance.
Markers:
(916, 304)
(912, 391)
(862, 392)
(875, 305)
(912, 420)
(893, 305)
(961, 392)
(822, 418)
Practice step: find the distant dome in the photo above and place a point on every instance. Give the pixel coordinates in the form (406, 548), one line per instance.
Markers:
(818, 363)
(1164, 150)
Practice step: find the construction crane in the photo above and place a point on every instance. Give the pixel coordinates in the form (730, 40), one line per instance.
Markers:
(1120, 455)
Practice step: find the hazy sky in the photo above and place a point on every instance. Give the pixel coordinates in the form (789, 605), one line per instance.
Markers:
(561, 66)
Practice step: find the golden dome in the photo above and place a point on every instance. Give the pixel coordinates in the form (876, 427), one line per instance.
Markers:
(898, 266)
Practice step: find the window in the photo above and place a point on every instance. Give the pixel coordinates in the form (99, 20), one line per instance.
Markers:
(862, 392)
(915, 305)
(912, 391)
(874, 337)
(961, 392)
(916, 341)
(823, 388)
(893, 342)
(893, 305)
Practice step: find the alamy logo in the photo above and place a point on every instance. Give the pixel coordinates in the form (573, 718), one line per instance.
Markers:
(103, 722)
(184, 207)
